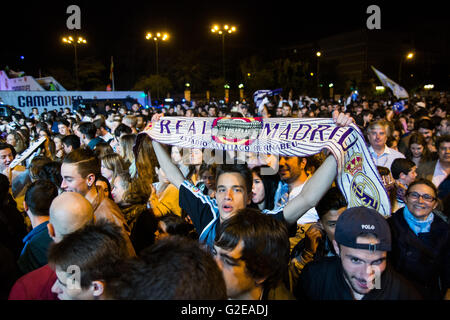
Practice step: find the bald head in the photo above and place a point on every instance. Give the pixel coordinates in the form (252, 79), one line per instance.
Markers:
(69, 212)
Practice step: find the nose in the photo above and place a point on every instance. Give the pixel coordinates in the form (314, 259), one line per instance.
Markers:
(229, 194)
(63, 184)
(56, 288)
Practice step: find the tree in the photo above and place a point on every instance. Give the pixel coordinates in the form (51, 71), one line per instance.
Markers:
(91, 74)
(217, 87)
(290, 75)
(153, 84)
(257, 74)
(193, 67)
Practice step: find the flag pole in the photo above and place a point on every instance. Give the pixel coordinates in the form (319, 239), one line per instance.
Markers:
(112, 73)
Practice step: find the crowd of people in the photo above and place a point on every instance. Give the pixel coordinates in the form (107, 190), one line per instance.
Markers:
(102, 211)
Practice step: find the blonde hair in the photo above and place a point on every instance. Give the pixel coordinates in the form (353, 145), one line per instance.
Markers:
(126, 147)
(115, 163)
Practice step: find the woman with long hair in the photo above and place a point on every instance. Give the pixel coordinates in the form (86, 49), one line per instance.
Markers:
(418, 151)
(17, 140)
(112, 164)
(131, 197)
(49, 149)
(146, 162)
(103, 148)
(264, 187)
(126, 143)
(59, 147)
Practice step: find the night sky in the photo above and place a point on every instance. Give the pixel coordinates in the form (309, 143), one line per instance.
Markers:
(34, 30)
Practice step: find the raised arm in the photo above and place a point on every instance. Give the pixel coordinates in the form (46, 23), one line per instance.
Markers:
(316, 187)
(173, 173)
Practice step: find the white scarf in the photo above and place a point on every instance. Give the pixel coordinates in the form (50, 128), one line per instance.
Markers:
(357, 176)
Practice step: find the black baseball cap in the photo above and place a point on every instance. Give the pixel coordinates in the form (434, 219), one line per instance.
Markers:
(361, 220)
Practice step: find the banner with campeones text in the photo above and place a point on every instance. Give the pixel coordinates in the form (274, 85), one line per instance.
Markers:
(357, 176)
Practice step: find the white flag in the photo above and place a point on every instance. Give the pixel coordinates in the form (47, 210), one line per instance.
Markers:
(399, 92)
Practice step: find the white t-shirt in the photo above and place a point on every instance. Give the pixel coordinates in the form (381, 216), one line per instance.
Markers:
(310, 215)
(439, 174)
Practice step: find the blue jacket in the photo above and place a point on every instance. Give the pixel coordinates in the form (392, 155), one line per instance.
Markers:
(34, 252)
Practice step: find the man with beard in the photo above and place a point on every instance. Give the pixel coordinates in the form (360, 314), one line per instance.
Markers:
(360, 270)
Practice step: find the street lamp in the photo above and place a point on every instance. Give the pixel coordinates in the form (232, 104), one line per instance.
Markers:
(159, 36)
(318, 54)
(222, 31)
(409, 56)
(71, 40)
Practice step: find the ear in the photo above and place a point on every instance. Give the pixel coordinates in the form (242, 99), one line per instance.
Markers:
(25, 206)
(435, 205)
(402, 176)
(51, 231)
(260, 281)
(90, 179)
(303, 163)
(336, 247)
(97, 288)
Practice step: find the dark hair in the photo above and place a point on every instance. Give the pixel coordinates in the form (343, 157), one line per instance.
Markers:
(64, 122)
(99, 123)
(401, 165)
(176, 225)
(441, 139)
(122, 129)
(332, 200)
(425, 182)
(88, 129)
(51, 171)
(174, 268)
(36, 165)
(270, 183)
(87, 162)
(95, 249)
(265, 244)
(4, 145)
(102, 149)
(11, 220)
(425, 124)
(71, 141)
(39, 196)
(242, 169)
(102, 178)
(417, 138)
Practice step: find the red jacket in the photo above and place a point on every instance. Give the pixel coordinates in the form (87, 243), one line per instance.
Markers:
(35, 285)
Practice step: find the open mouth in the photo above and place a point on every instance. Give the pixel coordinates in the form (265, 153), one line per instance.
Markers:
(227, 208)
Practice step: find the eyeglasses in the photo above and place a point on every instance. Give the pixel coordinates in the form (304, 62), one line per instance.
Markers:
(425, 197)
